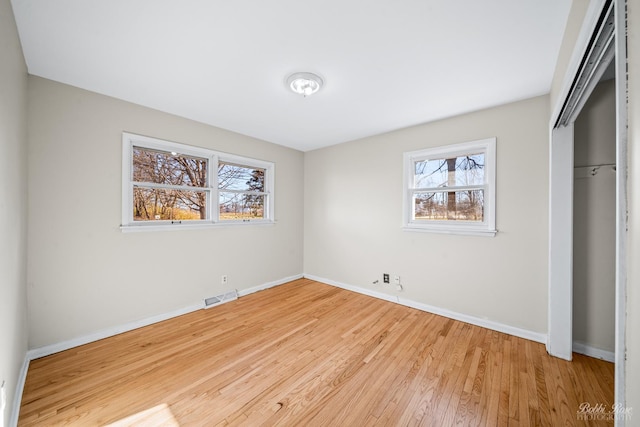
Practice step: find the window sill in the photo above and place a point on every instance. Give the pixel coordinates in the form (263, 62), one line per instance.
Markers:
(198, 226)
(450, 230)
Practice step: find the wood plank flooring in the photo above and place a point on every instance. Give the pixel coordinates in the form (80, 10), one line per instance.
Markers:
(309, 354)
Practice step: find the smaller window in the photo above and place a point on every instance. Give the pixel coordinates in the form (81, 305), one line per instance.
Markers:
(451, 189)
(242, 192)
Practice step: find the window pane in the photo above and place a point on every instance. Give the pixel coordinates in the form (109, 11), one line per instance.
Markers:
(449, 206)
(234, 206)
(240, 178)
(163, 167)
(155, 204)
(455, 171)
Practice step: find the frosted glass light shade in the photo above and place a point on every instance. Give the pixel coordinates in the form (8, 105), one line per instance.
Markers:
(304, 84)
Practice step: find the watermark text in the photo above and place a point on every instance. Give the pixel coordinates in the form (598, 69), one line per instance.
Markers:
(599, 412)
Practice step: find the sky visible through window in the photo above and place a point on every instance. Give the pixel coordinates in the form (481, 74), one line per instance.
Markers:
(173, 186)
(442, 188)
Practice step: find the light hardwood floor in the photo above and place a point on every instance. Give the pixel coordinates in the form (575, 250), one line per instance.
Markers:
(309, 354)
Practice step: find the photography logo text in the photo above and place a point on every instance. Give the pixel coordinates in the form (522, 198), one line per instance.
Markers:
(588, 412)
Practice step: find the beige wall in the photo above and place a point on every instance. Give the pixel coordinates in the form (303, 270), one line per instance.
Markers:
(13, 204)
(595, 127)
(84, 274)
(633, 256)
(353, 218)
(594, 215)
(82, 277)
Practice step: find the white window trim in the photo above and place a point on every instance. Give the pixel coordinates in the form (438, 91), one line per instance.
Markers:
(484, 228)
(129, 140)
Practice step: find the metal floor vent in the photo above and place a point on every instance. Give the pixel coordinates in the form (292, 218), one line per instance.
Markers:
(220, 299)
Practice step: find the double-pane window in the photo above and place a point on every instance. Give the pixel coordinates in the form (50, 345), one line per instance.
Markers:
(166, 183)
(168, 186)
(241, 191)
(451, 189)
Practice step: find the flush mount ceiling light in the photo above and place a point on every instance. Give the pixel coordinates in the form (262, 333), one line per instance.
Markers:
(304, 84)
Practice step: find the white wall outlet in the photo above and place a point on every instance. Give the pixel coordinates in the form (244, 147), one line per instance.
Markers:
(223, 279)
(396, 280)
(399, 288)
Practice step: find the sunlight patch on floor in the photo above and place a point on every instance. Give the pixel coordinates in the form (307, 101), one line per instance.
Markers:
(157, 416)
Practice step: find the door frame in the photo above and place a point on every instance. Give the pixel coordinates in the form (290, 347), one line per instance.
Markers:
(560, 304)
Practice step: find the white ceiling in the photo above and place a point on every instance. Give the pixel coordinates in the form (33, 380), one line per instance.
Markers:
(386, 64)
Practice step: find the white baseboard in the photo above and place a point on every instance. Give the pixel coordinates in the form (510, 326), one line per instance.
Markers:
(106, 333)
(268, 285)
(588, 350)
(485, 323)
(358, 289)
(17, 398)
(109, 332)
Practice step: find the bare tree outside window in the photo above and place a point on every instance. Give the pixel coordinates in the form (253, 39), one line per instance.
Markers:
(447, 189)
(173, 186)
(168, 186)
(451, 189)
(242, 191)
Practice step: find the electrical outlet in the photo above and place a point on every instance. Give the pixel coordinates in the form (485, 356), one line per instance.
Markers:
(223, 279)
(396, 280)
(385, 278)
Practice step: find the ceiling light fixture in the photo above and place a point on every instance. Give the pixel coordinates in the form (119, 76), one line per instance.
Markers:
(304, 84)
